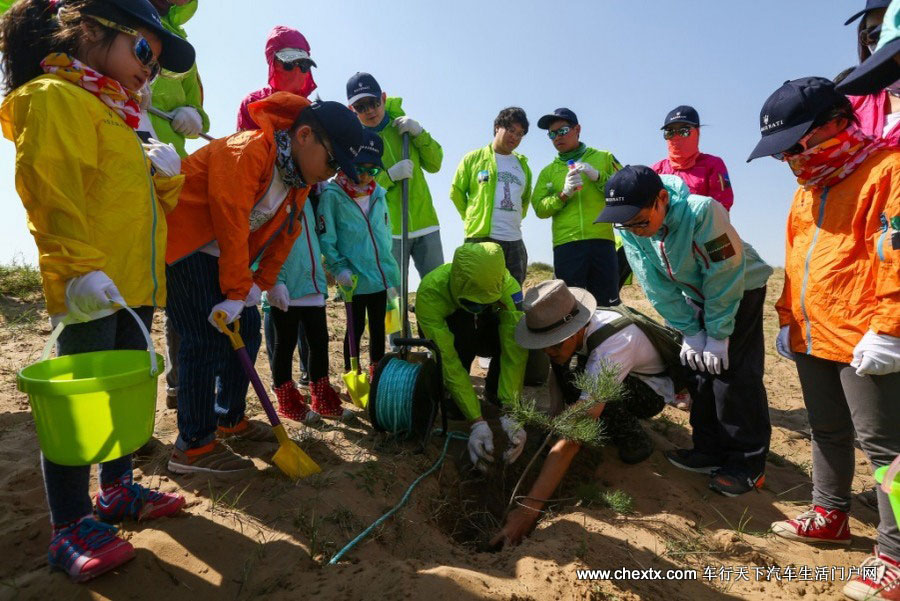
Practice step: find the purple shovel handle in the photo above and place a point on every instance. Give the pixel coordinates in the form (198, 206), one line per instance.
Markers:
(351, 330)
(247, 364)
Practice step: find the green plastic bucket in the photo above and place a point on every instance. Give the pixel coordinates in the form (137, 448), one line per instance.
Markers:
(93, 407)
(888, 477)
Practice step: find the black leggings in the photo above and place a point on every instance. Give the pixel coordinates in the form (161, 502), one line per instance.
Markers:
(287, 324)
(374, 305)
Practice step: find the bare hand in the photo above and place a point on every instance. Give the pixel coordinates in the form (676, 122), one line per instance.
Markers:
(519, 523)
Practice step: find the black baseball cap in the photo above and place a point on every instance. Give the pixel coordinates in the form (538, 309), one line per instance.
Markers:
(177, 54)
(682, 114)
(788, 114)
(344, 131)
(560, 113)
(870, 6)
(881, 69)
(629, 190)
(362, 85)
(370, 151)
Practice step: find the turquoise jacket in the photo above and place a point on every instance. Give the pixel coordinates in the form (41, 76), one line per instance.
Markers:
(695, 254)
(352, 240)
(303, 272)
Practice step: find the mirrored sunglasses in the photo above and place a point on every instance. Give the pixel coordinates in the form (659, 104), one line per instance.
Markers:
(555, 133)
(142, 50)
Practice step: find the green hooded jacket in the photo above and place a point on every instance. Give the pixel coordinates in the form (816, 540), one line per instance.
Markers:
(474, 195)
(478, 273)
(574, 220)
(173, 90)
(426, 154)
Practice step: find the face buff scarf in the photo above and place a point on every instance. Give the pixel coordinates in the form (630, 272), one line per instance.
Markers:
(113, 94)
(834, 159)
(285, 162)
(573, 155)
(683, 152)
(354, 190)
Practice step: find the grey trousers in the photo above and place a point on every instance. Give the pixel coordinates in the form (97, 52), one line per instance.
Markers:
(838, 403)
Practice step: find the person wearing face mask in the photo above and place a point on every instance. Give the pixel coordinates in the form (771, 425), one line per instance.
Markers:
(290, 70)
(840, 308)
(704, 174)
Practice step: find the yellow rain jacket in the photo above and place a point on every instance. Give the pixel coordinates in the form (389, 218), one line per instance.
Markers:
(91, 201)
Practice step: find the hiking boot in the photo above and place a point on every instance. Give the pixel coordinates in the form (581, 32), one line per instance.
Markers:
(816, 526)
(626, 432)
(124, 499)
(732, 482)
(87, 548)
(247, 430)
(303, 380)
(292, 404)
(214, 459)
(171, 400)
(693, 461)
(325, 400)
(879, 580)
(684, 401)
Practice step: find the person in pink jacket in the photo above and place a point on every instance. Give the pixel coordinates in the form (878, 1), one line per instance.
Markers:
(704, 174)
(290, 70)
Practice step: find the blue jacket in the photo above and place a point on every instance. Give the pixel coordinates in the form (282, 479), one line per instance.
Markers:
(302, 271)
(352, 240)
(695, 254)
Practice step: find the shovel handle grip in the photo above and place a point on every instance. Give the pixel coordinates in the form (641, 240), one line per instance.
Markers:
(233, 331)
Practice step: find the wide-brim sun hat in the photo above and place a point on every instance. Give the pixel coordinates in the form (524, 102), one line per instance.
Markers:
(553, 313)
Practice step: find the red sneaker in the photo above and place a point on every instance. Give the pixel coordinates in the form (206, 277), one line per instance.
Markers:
(879, 580)
(125, 499)
(816, 526)
(325, 399)
(292, 404)
(87, 548)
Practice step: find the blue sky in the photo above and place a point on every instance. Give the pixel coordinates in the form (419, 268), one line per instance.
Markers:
(620, 65)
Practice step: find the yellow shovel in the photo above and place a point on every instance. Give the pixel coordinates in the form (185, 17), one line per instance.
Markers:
(289, 458)
(355, 380)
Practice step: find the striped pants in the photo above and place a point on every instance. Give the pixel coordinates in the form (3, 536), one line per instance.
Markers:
(212, 386)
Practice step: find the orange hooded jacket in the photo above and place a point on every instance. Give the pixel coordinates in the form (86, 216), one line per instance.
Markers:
(223, 182)
(842, 270)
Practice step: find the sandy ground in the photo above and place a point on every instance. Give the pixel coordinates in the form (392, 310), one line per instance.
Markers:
(269, 536)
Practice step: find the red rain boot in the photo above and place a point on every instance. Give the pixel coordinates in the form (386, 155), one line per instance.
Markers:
(292, 405)
(325, 400)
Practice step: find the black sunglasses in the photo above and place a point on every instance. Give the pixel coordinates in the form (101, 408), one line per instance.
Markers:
(304, 64)
(366, 104)
(332, 162)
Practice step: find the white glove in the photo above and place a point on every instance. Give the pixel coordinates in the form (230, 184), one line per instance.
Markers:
(692, 350)
(783, 343)
(876, 355)
(253, 296)
(231, 308)
(401, 170)
(89, 293)
(187, 121)
(405, 125)
(715, 355)
(481, 442)
(516, 436)
(164, 157)
(573, 183)
(278, 297)
(345, 278)
(591, 173)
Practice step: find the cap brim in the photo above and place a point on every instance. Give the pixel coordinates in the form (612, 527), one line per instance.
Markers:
(358, 97)
(545, 121)
(856, 16)
(781, 141)
(617, 214)
(346, 163)
(586, 304)
(875, 73)
(685, 121)
(368, 157)
(177, 56)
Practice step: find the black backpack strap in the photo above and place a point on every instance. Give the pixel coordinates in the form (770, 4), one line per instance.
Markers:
(598, 337)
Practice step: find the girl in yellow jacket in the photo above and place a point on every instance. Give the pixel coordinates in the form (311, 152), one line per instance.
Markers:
(96, 203)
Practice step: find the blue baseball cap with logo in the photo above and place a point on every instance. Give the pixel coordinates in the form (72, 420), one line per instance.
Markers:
(629, 190)
(560, 113)
(371, 150)
(362, 85)
(870, 6)
(344, 130)
(682, 114)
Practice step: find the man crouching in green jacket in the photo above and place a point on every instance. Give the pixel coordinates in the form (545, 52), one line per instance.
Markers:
(468, 308)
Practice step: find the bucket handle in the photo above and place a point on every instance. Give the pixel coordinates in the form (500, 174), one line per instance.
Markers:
(154, 360)
(887, 482)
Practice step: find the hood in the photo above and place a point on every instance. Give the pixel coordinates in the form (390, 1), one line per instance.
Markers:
(278, 111)
(393, 107)
(477, 273)
(179, 15)
(284, 37)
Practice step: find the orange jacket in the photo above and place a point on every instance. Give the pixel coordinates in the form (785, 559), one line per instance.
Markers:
(842, 270)
(223, 181)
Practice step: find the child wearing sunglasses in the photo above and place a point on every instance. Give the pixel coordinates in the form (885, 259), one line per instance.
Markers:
(355, 233)
(71, 109)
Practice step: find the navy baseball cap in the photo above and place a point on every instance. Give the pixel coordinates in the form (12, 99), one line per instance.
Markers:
(682, 114)
(560, 113)
(870, 6)
(629, 190)
(881, 69)
(360, 86)
(177, 54)
(788, 114)
(344, 131)
(371, 150)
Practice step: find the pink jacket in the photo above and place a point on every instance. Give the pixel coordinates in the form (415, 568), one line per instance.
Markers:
(708, 177)
(871, 111)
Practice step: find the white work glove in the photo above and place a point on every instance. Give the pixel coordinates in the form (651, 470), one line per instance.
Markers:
(876, 355)
(405, 125)
(783, 343)
(187, 121)
(345, 278)
(164, 157)
(89, 293)
(572, 184)
(231, 308)
(715, 355)
(481, 442)
(278, 297)
(516, 436)
(401, 170)
(591, 173)
(692, 351)
(253, 296)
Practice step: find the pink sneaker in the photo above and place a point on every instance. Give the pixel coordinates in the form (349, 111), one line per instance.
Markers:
(816, 526)
(87, 548)
(125, 499)
(879, 580)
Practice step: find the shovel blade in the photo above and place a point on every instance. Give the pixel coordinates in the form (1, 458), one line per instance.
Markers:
(291, 459)
(357, 387)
